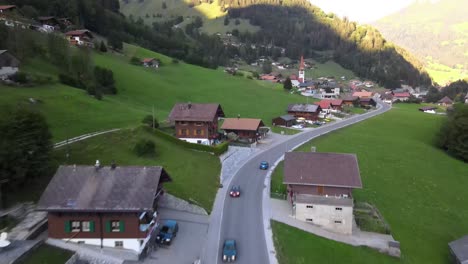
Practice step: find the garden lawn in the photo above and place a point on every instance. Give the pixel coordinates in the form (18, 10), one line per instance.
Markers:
(71, 112)
(418, 188)
(195, 174)
(294, 246)
(46, 254)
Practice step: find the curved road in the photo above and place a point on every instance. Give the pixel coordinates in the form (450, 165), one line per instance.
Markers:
(242, 218)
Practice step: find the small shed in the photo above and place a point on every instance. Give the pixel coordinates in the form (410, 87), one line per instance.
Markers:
(284, 120)
(459, 250)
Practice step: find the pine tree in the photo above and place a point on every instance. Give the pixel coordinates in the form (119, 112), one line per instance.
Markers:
(287, 85)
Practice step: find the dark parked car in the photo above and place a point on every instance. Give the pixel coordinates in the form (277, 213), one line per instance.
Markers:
(168, 232)
(264, 165)
(235, 191)
(229, 250)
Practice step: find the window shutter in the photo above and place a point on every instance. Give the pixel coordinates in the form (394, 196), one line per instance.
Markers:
(67, 226)
(108, 226)
(122, 226)
(91, 226)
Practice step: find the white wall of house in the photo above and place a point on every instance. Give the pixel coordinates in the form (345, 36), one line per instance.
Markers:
(128, 243)
(7, 71)
(203, 141)
(326, 216)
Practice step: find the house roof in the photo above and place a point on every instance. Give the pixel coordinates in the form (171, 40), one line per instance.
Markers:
(324, 104)
(146, 60)
(87, 189)
(287, 117)
(446, 100)
(242, 124)
(365, 99)
(307, 84)
(268, 77)
(405, 94)
(293, 77)
(79, 32)
(195, 112)
(336, 102)
(6, 7)
(425, 108)
(350, 98)
(460, 249)
(362, 94)
(311, 108)
(323, 169)
(387, 96)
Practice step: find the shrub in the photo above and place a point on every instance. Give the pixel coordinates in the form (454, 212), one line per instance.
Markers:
(144, 147)
(175, 61)
(20, 77)
(148, 120)
(103, 47)
(135, 61)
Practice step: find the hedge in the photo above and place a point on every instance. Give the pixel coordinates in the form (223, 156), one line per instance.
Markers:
(217, 150)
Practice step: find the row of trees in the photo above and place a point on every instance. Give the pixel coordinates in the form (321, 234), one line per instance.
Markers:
(453, 136)
(456, 91)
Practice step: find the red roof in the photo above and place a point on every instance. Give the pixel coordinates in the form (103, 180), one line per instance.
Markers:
(324, 104)
(146, 60)
(301, 65)
(336, 102)
(362, 94)
(6, 7)
(405, 94)
(78, 32)
(268, 77)
(293, 77)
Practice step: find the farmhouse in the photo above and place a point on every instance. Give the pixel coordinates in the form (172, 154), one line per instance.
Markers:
(427, 109)
(459, 250)
(81, 37)
(6, 9)
(104, 206)
(387, 98)
(307, 111)
(363, 94)
(8, 64)
(244, 128)
(350, 100)
(196, 123)
(404, 96)
(336, 104)
(367, 102)
(320, 188)
(325, 105)
(285, 120)
(446, 101)
(150, 62)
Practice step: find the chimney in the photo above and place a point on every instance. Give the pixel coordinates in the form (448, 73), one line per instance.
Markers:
(313, 149)
(97, 166)
(113, 165)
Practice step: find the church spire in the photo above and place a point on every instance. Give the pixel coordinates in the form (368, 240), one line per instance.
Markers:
(301, 77)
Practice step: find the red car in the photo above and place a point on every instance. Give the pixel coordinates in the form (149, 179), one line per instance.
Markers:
(235, 191)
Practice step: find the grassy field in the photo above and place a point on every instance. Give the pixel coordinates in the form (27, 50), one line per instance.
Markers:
(417, 188)
(71, 112)
(46, 254)
(195, 174)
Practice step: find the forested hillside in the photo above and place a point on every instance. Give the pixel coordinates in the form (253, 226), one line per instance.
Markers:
(292, 26)
(436, 32)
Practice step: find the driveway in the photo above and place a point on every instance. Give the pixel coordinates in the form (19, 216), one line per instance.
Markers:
(186, 247)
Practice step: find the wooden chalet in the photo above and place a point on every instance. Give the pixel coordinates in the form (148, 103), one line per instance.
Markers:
(150, 62)
(446, 101)
(307, 111)
(196, 123)
(104, 206)
(81, 37)
(284, 120)
(244, 128)
(350, 100)
(367, 102)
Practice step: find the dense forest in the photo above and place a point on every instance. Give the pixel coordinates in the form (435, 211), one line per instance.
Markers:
(295, 26)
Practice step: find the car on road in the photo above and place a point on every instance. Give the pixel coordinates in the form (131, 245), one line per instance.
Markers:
(235, 191)
(264, 165)
(168, 232)
(229, 250)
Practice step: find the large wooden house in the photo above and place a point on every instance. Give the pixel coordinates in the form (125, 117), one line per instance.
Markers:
(320, 188)
(81, 37)
(307, 111)
(196, 123)
(104, 206)
(245, 128)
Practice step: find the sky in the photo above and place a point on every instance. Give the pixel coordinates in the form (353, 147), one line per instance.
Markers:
(363, 11)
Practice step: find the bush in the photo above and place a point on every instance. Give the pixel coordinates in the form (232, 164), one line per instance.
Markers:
(148, 120)
(20, 77)
(175, 61)
(135, 61)
(103, 47)
(144, 147)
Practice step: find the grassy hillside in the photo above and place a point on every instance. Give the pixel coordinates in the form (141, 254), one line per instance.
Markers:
(417, 187)
(436, 32)
(71, 112)
(152, 11)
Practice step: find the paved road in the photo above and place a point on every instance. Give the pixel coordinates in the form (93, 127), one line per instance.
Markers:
(241, 218)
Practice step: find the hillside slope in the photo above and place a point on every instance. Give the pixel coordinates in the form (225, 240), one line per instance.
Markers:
(436, 32)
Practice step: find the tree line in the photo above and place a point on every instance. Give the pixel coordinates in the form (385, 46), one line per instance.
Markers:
(455, 91)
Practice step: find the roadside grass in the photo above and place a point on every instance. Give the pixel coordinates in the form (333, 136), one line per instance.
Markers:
(294, 246)
(416, 187)
(195, 174)
(46, 254)
(287, 131)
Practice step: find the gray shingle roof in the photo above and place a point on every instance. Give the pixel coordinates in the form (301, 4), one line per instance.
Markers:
(85, 188)
(195, 112)
(460, 249)
(322, 169)
(287, 117)
(311, 108)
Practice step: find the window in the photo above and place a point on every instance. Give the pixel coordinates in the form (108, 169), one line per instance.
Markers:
(183, 131)
(338, 209)
(183, 123)
(199, 141)
(118, 244)
(309, 206)
(115, 225)
(199, 132)
(309, 220)
(85, 226)
(75, 226)
(337, 221)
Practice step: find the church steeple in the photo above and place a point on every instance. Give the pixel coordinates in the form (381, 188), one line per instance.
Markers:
(301, 77)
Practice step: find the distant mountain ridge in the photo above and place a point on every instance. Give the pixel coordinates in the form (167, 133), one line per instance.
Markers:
(437, 32)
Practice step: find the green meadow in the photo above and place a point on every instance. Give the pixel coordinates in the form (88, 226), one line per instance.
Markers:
(418, 188)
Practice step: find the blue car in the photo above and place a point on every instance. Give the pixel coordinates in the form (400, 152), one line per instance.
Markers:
(229, 250)
(264, 165)
(168, 232)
